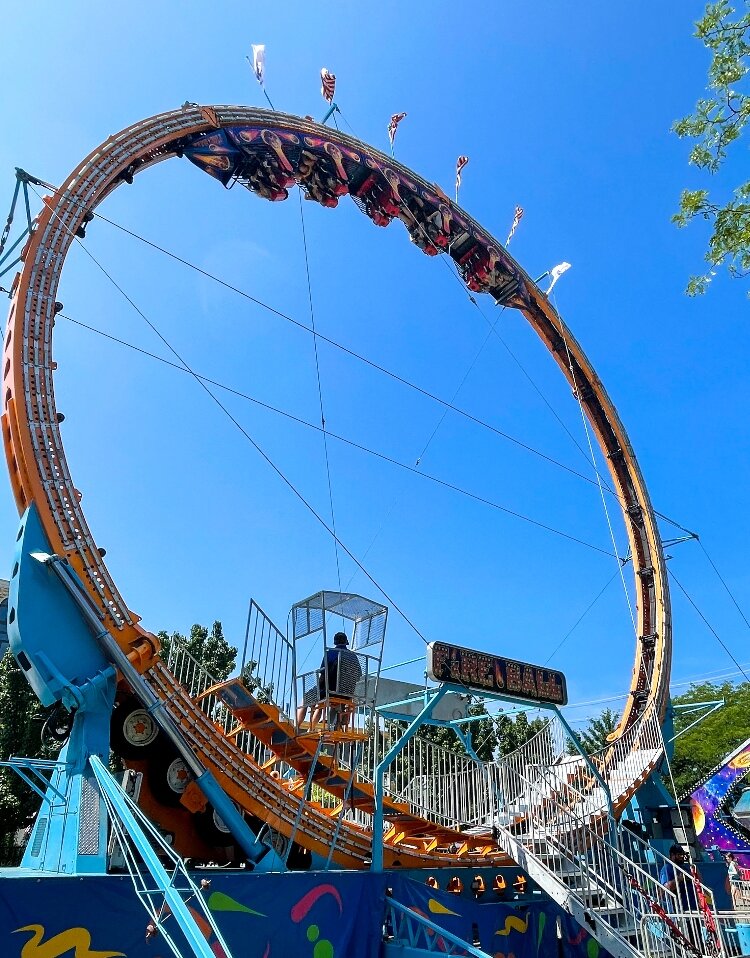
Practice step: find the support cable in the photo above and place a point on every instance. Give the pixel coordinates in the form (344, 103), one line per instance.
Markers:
(421, 455)
(723, 582)
(453, 270)
(320, 391)
(332, 435)
(581, 617)
(249, 438)
(708, 624)
(376, 366)
(354, 354)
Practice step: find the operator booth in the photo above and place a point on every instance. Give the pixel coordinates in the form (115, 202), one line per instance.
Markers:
(338, 649)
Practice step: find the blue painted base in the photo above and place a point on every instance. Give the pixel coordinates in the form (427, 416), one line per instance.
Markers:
(313, 915)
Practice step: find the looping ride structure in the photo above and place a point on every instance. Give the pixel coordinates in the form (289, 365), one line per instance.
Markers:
(268, 153)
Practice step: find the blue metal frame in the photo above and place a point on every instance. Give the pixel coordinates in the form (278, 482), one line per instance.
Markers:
(47, 600)
(415, 935)
(378, 817)
(173, 899)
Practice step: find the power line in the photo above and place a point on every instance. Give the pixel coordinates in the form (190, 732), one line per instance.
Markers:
(723, 582)
(249, 438)
(320, 391)
(359, 356)
(708, 624)
(343, 439)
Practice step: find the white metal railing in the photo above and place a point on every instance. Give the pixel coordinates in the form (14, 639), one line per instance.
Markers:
(450, 788)
(268, 664)
(740, 894)
(734, 927)
(453, 790)
(588, 862)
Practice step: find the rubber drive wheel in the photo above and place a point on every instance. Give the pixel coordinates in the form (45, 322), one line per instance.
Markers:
(168, 777)
(212, 830)
(133, 731)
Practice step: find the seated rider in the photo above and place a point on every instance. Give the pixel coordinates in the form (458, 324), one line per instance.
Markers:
(338, 676)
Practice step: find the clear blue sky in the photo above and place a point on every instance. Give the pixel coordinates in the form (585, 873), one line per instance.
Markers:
(564, 110)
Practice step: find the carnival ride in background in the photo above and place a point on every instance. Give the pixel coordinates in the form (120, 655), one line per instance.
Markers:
(719, 825)
(229, 765)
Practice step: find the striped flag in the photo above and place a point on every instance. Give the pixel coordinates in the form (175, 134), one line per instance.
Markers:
(517, 216)
(393, 126)
(460, 164)
(259, 61)
(556, 273)
(327, 84)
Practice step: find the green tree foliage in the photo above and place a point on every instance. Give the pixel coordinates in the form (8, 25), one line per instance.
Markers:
(701, 749)
(717, 122)
(209, 648)
(596, 734)
(21, 720)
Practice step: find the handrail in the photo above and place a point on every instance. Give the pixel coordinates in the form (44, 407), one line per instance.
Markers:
(575, 860)
(407, 926)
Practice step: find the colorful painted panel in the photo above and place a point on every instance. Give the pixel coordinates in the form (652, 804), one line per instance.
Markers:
(504, 930)
(713, 824)
(261, 916)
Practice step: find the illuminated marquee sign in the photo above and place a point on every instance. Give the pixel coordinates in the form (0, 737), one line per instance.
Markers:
(481, 672)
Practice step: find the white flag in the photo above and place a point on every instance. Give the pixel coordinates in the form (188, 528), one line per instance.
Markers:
(259, 61)
(556, 273)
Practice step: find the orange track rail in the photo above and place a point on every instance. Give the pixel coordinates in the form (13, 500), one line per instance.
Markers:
(39, 471)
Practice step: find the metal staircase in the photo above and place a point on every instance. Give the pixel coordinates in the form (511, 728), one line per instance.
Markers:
(539, 806)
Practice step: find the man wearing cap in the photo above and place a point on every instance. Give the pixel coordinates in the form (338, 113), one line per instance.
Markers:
(675, 879)
(338, 675)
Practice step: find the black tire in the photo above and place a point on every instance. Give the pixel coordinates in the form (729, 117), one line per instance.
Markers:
(212, 830)
(168, 777)
(133, 732)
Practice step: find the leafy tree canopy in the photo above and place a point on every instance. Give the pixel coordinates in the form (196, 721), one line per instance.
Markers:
(596, 734)
(717, 122)
(209, 648)
(21, 720)
(701, 749)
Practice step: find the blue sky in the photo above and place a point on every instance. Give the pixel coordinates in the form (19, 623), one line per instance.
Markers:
(564, 110)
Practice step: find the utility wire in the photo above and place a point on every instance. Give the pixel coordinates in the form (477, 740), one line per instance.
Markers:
(353, 353)
(320, 391)
(708, 624)
(249, 438)
(339, 438)
(721, 579)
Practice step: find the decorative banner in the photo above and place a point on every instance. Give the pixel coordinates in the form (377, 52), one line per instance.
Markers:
(517, 216)
(327, 85)
(259, 62)
(556, 273)
(460, 164)
(393, 126)
(482, 672)
(711, 807)
(522, 929)
(260, 916)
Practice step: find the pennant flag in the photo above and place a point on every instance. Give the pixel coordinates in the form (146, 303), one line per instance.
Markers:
(328, 85)
(460, 164)
(393, 126)
(517, 216)
(556, 273)
(259, 61)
